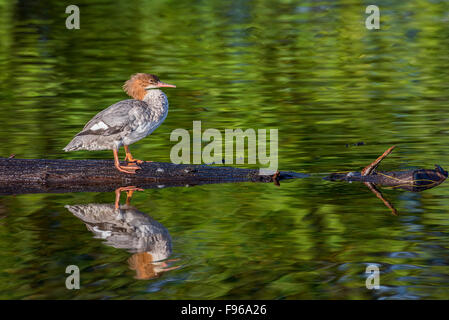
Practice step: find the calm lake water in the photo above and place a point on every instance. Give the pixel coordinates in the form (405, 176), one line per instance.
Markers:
(309, 69)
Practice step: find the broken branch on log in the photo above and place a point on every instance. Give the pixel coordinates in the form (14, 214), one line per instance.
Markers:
(372, 167)
(410, 180)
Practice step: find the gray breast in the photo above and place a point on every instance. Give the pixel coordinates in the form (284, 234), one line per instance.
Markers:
(147, 122)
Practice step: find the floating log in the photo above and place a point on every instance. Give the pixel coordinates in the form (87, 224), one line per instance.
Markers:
(44, 176)
(411, 180)
(19, 176)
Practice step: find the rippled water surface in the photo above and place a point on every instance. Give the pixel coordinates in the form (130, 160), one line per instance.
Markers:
(308, 68)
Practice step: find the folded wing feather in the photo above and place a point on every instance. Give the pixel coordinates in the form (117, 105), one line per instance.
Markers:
(113, 119)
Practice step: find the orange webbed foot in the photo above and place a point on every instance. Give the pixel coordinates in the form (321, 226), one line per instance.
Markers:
(130, 168)
(129, 158)
(132, 160)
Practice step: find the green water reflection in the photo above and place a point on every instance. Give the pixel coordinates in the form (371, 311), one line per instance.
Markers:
(309, 69)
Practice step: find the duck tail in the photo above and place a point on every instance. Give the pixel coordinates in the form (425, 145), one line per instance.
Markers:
(75, 144)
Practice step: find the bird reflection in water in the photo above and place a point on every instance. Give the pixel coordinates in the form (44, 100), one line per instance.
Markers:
(125, 227)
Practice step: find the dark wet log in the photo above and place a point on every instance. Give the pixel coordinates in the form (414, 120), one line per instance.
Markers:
(411, 180)
(38, 175)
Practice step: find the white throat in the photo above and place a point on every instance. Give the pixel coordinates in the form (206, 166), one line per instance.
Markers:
(156, 99)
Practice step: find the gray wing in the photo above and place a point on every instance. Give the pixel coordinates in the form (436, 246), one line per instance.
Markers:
(115, 118)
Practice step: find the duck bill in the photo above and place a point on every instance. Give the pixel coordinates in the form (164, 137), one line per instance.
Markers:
(165, 85)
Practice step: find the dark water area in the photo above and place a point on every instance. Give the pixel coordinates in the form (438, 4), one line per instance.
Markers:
(307, 68)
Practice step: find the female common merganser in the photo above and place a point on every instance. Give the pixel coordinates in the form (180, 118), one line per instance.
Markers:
(127, 121)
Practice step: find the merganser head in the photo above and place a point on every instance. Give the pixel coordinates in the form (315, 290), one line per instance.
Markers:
(137, 85)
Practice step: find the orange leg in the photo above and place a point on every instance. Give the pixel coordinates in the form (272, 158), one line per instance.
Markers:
(129, 193)
(130, 168)
(129, 157)
(164, 269)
